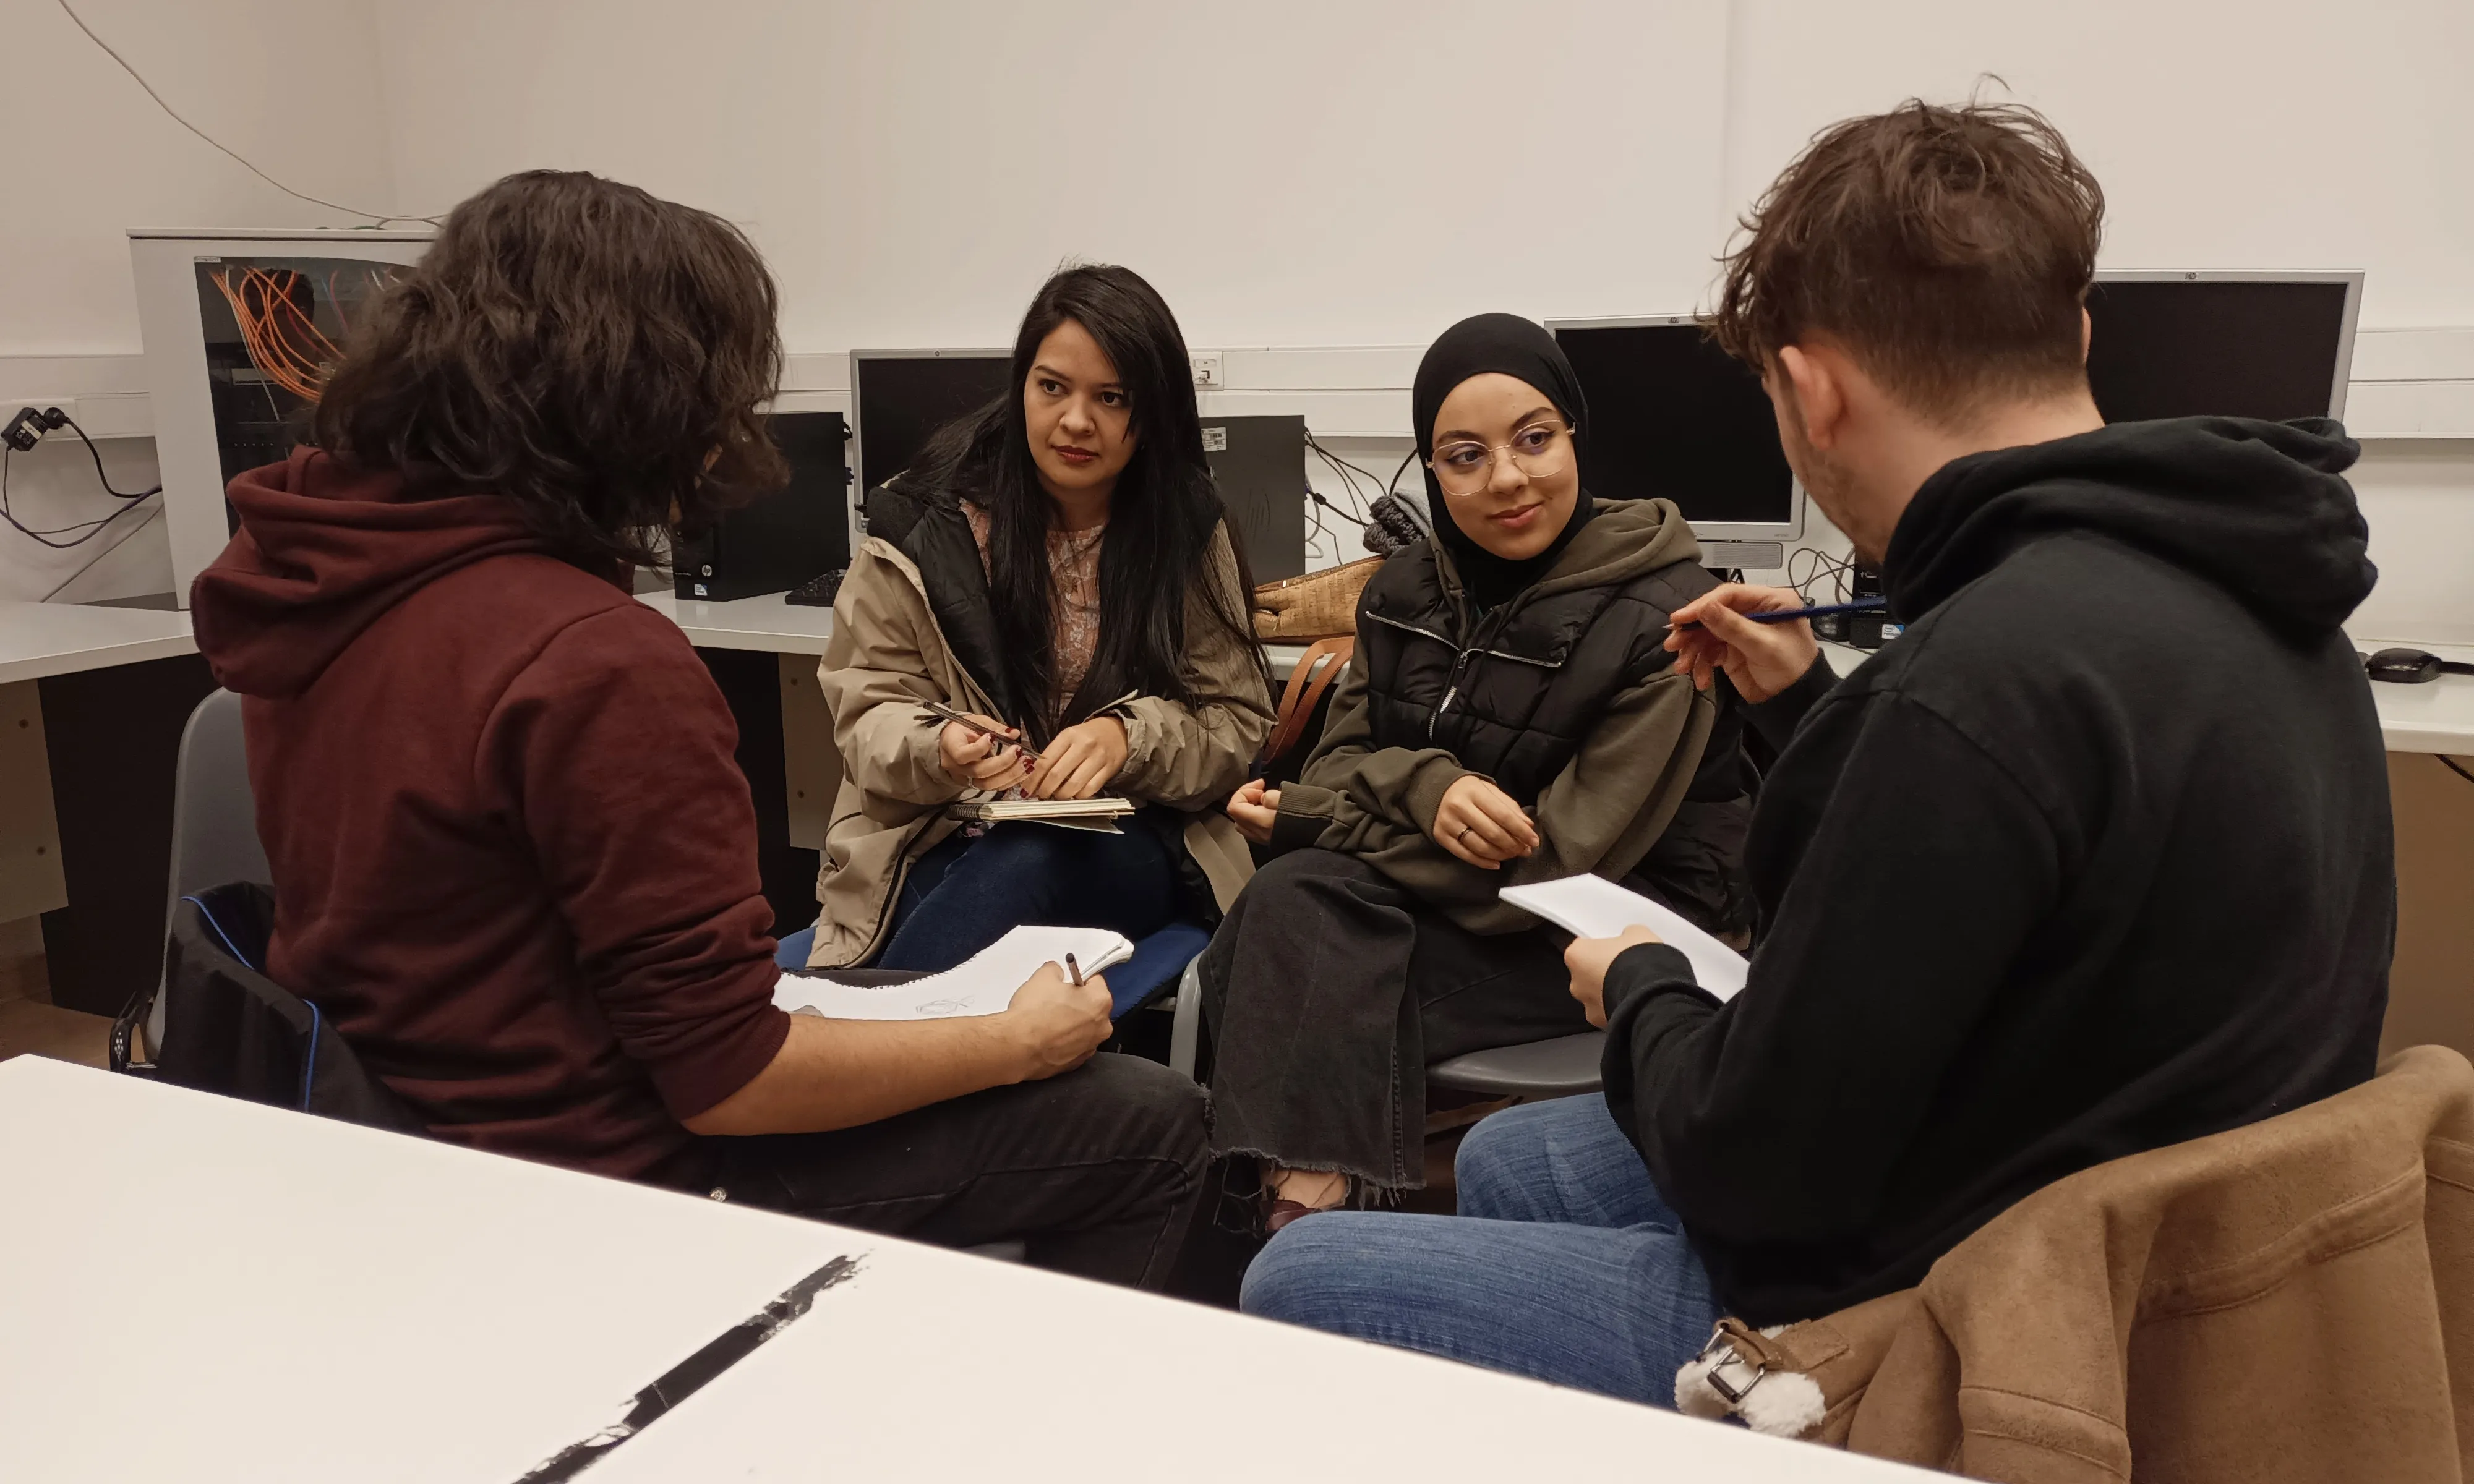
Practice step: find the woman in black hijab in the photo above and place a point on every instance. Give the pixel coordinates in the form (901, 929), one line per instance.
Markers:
(1510, 716)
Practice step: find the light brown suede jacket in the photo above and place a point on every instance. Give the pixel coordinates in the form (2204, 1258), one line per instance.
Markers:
(2291, 1301)
(887, 653)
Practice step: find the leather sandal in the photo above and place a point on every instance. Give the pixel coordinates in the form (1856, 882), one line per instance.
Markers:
(1282, 1212)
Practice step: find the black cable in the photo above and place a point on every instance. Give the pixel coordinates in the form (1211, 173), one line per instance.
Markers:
(1361, 512)
(96, 454)
(1349, 473)
(375, 219)
(1406, 459)
(92, 528)
(2454, 766)
(1823, 565)
(153, 511)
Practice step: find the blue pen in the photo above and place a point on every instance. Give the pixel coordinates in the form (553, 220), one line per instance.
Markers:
(1781, 615)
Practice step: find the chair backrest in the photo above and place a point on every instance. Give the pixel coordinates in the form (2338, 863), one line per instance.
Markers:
(214, 815)
(230, 1030)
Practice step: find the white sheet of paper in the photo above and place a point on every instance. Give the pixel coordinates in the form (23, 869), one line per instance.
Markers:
(980, 984)
(1595, 907)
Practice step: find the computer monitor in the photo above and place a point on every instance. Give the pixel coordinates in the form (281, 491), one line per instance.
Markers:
(1672, 415)
(899, 398)
(2240, 344)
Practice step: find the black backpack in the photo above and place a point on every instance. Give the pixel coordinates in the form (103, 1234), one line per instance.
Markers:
(229, 1029)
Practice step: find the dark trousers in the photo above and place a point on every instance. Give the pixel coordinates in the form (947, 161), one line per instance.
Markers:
(1097, 1171)
(967, 893)
(1329, 990)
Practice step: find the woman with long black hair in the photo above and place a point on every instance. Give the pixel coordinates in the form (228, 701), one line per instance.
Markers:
(1059, 567)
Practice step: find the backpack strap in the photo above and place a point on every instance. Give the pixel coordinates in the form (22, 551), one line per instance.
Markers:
(1321, 665)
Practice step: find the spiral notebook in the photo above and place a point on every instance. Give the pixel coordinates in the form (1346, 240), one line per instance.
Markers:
(1099, 814)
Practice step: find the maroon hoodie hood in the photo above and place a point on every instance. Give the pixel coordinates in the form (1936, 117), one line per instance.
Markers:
(323, 551)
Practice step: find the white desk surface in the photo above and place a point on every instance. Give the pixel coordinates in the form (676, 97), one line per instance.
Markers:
(200, 1288)
(2438, 717)
(763, 623)
(37, 639)
(56, 638)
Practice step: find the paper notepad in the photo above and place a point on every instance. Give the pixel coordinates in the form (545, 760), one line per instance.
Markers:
(1595, 907)
(980, 984)
(1096, 814)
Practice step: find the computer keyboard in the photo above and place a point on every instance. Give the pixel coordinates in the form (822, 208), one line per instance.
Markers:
(818, 591)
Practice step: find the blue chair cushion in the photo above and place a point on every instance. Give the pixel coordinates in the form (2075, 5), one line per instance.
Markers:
(1157, 960)
(792, 951)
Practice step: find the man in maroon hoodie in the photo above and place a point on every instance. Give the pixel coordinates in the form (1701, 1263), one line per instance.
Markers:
(514, 859)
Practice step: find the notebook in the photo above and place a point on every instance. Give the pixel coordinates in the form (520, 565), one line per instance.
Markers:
(1094, 814)
(980, 984)
(1595, 907)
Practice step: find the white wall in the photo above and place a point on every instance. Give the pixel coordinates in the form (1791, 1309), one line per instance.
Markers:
(2272, 134)
(1286, 171)
(1350, 173)
(293, 84)
(2418, 497)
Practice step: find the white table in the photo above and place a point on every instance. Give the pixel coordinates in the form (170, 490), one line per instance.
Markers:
(763, 623)
(37, 639)
(2438, 717)
(199, 1289)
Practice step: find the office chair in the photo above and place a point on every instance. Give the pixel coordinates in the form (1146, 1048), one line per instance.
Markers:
(259, 1041)
(214, 817)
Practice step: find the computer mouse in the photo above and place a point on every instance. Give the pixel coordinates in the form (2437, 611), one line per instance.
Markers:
(2403, 666)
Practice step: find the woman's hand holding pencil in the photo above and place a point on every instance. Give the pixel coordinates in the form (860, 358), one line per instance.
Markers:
(980, 752)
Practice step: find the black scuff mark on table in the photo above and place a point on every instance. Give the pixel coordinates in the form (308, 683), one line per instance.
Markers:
(689, 1376)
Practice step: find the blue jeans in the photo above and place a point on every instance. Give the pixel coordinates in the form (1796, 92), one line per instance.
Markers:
(966, 894)
(1564, 1264)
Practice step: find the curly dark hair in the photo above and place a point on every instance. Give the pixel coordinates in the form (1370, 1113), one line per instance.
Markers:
(582, 347)
(1948, 250)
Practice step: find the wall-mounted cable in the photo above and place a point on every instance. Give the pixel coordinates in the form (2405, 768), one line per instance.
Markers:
(374, 218)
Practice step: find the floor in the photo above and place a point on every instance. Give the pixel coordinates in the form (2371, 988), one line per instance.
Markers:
(30, 1023)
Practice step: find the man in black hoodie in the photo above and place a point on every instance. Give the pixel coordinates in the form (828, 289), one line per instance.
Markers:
(2096, 858)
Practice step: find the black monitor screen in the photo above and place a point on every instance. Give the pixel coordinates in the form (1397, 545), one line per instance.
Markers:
(1670, 413)
(903, 399)
(2173, 348)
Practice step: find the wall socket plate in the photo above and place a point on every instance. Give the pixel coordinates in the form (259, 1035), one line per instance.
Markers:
(1210, 373)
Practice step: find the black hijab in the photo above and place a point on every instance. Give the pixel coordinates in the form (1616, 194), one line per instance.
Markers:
(1514, 346)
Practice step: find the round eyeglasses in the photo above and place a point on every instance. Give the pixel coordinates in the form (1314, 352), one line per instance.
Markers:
(1466, 467)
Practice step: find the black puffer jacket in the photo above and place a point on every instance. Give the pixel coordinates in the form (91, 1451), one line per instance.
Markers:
(1566, 698)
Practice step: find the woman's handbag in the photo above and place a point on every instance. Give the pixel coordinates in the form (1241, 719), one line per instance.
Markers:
(1318, 606)
(1308, 684)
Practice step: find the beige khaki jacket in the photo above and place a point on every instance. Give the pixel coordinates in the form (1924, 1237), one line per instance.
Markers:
(887, 654)
(2288, 1302)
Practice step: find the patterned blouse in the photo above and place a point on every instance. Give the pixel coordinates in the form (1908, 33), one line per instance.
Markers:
(1074, 603)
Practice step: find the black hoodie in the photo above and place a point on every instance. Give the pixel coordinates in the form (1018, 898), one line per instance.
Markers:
(2095, 859)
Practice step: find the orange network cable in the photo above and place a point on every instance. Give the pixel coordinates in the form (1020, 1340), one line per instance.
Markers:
(282, 339)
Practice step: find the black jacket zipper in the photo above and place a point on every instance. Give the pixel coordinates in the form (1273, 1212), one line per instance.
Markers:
(1461, 658)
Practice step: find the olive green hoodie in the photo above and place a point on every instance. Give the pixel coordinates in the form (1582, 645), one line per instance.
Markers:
(1622, 787)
